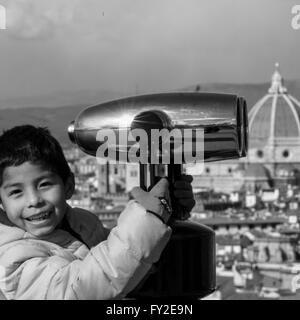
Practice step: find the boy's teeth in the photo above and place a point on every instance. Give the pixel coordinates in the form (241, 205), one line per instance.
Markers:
(39, 217)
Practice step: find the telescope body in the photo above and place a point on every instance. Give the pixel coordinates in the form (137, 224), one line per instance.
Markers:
(221, 117)
(187, 265)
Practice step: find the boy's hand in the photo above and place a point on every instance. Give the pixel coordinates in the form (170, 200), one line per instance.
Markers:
(156, 201)
(183, 192)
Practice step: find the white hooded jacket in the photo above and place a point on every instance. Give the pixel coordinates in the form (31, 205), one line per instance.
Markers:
(59, 266)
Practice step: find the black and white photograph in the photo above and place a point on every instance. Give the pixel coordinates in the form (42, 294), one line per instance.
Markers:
(150, 152)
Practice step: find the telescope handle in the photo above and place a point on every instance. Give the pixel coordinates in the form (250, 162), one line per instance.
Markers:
(174, 174)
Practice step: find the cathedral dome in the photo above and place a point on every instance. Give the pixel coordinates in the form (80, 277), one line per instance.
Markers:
(274, 125)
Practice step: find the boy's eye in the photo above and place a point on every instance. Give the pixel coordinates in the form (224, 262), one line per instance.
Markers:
(46, 184)
(14, 192)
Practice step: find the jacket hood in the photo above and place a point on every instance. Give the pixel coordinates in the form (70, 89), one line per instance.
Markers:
(9, 232)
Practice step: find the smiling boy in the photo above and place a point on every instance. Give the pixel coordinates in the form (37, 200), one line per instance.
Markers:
(52, 251)
(34, 197)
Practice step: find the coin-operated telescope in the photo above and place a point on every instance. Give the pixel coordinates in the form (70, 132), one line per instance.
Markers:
(162, 132)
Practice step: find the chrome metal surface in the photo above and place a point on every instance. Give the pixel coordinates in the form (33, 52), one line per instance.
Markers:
(223, 118)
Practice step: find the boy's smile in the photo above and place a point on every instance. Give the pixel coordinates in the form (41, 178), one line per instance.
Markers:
(34, 197)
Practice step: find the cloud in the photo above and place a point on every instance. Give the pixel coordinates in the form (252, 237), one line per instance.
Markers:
(136, 45)
(36, 19)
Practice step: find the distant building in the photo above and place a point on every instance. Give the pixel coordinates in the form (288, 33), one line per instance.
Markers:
(117, 178)
(132, 176)
(86, 165)
(262, 277)
(221, 176)
(227, 226)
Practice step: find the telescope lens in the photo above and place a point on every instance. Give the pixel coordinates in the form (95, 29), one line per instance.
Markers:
(246, 135)
(240, 126)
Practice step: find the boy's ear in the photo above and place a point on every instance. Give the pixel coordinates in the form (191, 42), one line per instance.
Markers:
(70, 186)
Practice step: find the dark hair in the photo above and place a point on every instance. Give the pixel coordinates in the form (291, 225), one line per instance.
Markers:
(34, 144)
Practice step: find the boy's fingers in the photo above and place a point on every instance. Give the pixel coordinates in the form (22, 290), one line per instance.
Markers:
(183, 185)
(161, 188)
(149, 200)
(137, 193)
(183, 194)
(186, 177)
(187, 203)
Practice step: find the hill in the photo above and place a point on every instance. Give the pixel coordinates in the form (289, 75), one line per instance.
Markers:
(52, 111)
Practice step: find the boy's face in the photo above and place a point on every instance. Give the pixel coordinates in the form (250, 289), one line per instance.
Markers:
(34, 198)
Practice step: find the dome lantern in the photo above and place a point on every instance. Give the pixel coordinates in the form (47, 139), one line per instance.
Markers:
(277, 82)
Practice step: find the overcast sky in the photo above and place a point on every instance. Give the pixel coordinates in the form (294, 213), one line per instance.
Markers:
(149, 45)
